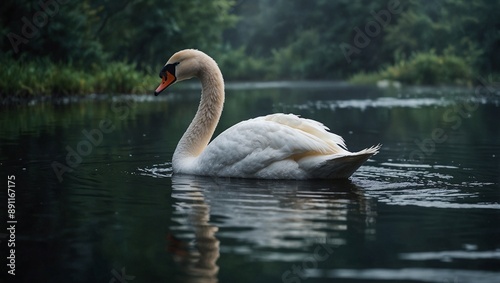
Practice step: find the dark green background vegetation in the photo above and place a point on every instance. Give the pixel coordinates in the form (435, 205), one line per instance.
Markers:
(76, 47)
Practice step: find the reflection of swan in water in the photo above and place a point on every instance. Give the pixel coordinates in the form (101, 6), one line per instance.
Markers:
(273, 220)
(198, 265)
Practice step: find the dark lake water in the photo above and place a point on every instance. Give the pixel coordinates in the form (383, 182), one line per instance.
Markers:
(96, 201)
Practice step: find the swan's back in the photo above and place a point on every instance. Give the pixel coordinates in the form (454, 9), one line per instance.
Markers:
(278, 146)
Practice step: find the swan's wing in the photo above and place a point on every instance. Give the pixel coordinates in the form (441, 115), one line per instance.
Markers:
(312, 127)
(252, 145)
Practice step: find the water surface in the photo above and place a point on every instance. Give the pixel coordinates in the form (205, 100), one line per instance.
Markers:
(425, 209)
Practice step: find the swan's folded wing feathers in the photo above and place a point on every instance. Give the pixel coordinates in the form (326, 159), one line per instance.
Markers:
(313, 127)
(254, 144)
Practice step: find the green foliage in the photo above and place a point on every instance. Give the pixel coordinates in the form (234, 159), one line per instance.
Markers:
(429, 69)
(65, 35)
(93, 31)
(467, 29)
(90, 46)
(424, 69)
(301, 39)
(103, 46)
(237, 65)
(298, 60)
(149, 32)
(43, 77)
(120, 77)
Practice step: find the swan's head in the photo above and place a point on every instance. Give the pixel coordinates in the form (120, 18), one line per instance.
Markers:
(181, 66)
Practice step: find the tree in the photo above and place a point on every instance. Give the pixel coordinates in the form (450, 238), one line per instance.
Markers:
(91, 31)
(468, 29)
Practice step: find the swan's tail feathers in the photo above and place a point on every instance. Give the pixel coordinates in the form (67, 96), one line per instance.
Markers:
(342, 167)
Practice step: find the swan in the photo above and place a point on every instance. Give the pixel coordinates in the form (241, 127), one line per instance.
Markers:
(276, 146)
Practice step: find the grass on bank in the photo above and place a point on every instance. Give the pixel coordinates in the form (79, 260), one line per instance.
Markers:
(43, 77)
(422, 69)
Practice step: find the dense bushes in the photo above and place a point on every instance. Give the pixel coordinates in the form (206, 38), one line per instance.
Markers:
(28, 78)
(429, 69)
(422, 68)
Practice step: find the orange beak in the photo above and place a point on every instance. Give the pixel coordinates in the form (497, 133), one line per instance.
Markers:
(166, 80)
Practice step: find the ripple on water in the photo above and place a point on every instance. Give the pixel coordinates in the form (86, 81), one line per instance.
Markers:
(413, 274)
(389, 102)
(421, 185)
(392, 183)
(162, 170)
(451, 255)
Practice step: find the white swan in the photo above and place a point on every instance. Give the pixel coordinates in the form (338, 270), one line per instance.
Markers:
(277, 146)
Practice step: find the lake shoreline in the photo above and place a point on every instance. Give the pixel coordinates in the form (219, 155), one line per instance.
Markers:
(336, 86)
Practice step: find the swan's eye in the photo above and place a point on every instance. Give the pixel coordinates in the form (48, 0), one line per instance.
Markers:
(168, 68)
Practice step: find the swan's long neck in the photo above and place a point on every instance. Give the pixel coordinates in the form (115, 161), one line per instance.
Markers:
(201, 129)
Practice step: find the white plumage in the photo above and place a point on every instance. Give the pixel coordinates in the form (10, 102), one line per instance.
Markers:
(277, 146)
